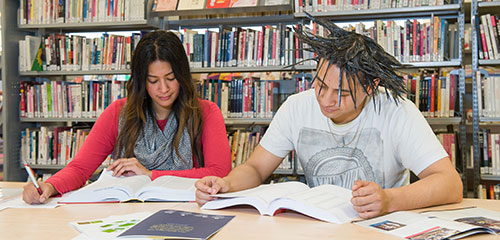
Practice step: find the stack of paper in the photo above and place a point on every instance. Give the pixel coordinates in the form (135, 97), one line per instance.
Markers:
(107, 228)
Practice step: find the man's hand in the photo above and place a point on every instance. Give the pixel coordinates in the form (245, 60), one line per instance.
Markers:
(31, 195)
(128, 167)
(207, 186)
(369, 199)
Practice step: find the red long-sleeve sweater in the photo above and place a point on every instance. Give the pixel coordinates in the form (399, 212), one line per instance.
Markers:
(102, 138)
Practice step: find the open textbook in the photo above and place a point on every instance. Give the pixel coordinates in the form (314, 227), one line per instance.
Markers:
(436, 225)
(135, 188)
(329, 203)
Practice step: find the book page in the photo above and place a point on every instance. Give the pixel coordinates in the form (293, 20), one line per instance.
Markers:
(18, 202)
(412, 225)
(325, 202)
(168, 188)
(258, 197)
(108, 188)
(268, 192)
(131, 184)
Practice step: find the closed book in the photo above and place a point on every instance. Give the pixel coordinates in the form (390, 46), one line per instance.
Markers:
(135, 188)
(174, 224)
(243, 3)
(165, 5)
(218, 3)
(191, 4)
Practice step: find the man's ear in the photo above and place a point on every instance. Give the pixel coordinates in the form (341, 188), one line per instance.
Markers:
(376, 82)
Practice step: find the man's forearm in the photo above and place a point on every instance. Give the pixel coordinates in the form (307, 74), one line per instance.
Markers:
(243, 177)
(435, 189)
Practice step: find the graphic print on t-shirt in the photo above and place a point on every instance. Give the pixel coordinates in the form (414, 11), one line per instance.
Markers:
(326, 161)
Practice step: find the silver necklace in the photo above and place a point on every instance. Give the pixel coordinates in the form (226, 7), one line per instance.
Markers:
(357, 134)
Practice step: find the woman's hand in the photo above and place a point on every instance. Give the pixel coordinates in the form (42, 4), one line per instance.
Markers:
(31, 195)
(128, 167)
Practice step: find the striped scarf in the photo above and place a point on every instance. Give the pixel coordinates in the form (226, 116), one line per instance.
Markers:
(154, 149)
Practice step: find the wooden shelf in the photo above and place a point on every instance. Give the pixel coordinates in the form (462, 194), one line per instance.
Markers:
(254, 69)
(453, 63)
(58, 119)
(443, 121)
(214, 11)
(283, 171)
(490, 177)
(247, 121)
(489, 120)
(370, 14)
(52, 166)
(73, 73)
(95, 26)
(486, 62)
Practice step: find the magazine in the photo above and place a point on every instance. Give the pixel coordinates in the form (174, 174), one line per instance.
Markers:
(435, 225)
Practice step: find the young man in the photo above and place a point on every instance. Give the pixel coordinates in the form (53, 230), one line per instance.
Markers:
(355, 130)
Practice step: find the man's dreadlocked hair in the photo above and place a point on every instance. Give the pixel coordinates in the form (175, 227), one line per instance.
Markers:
(353, 54)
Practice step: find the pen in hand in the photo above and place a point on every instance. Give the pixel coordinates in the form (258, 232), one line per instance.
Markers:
(32, 178)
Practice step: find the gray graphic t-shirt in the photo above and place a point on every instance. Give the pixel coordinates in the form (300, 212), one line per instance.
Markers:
(378, 146)
(324, 161)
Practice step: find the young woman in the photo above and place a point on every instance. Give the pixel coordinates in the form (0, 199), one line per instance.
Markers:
(161, 128)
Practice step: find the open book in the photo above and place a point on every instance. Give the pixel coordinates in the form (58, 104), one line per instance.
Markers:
(440, 224)
(329, 203)
(140, 188)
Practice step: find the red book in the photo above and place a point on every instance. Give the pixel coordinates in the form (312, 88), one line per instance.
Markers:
(260, 46)
(414, 40)
(492, 192)
(165, 5)
(23, 102)
(273, 54)
(453, 83)
(483, 41)
(433, 94)
(218, 3)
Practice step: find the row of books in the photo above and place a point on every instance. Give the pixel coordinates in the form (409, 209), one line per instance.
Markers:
(78, 11)
(488, 37)
(51, 146)
(488, 191)
(488, 89)
(342, 5)
(489, 152)
(242, 143)
(60, 52)
(435, 95)
(244, 47)
(423, 40)
(449, 143)
(171, 5)
(245, 96)
(414, 41)
(58, 99)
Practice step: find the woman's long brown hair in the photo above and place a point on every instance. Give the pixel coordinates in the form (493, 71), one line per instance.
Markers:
(164, 46)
